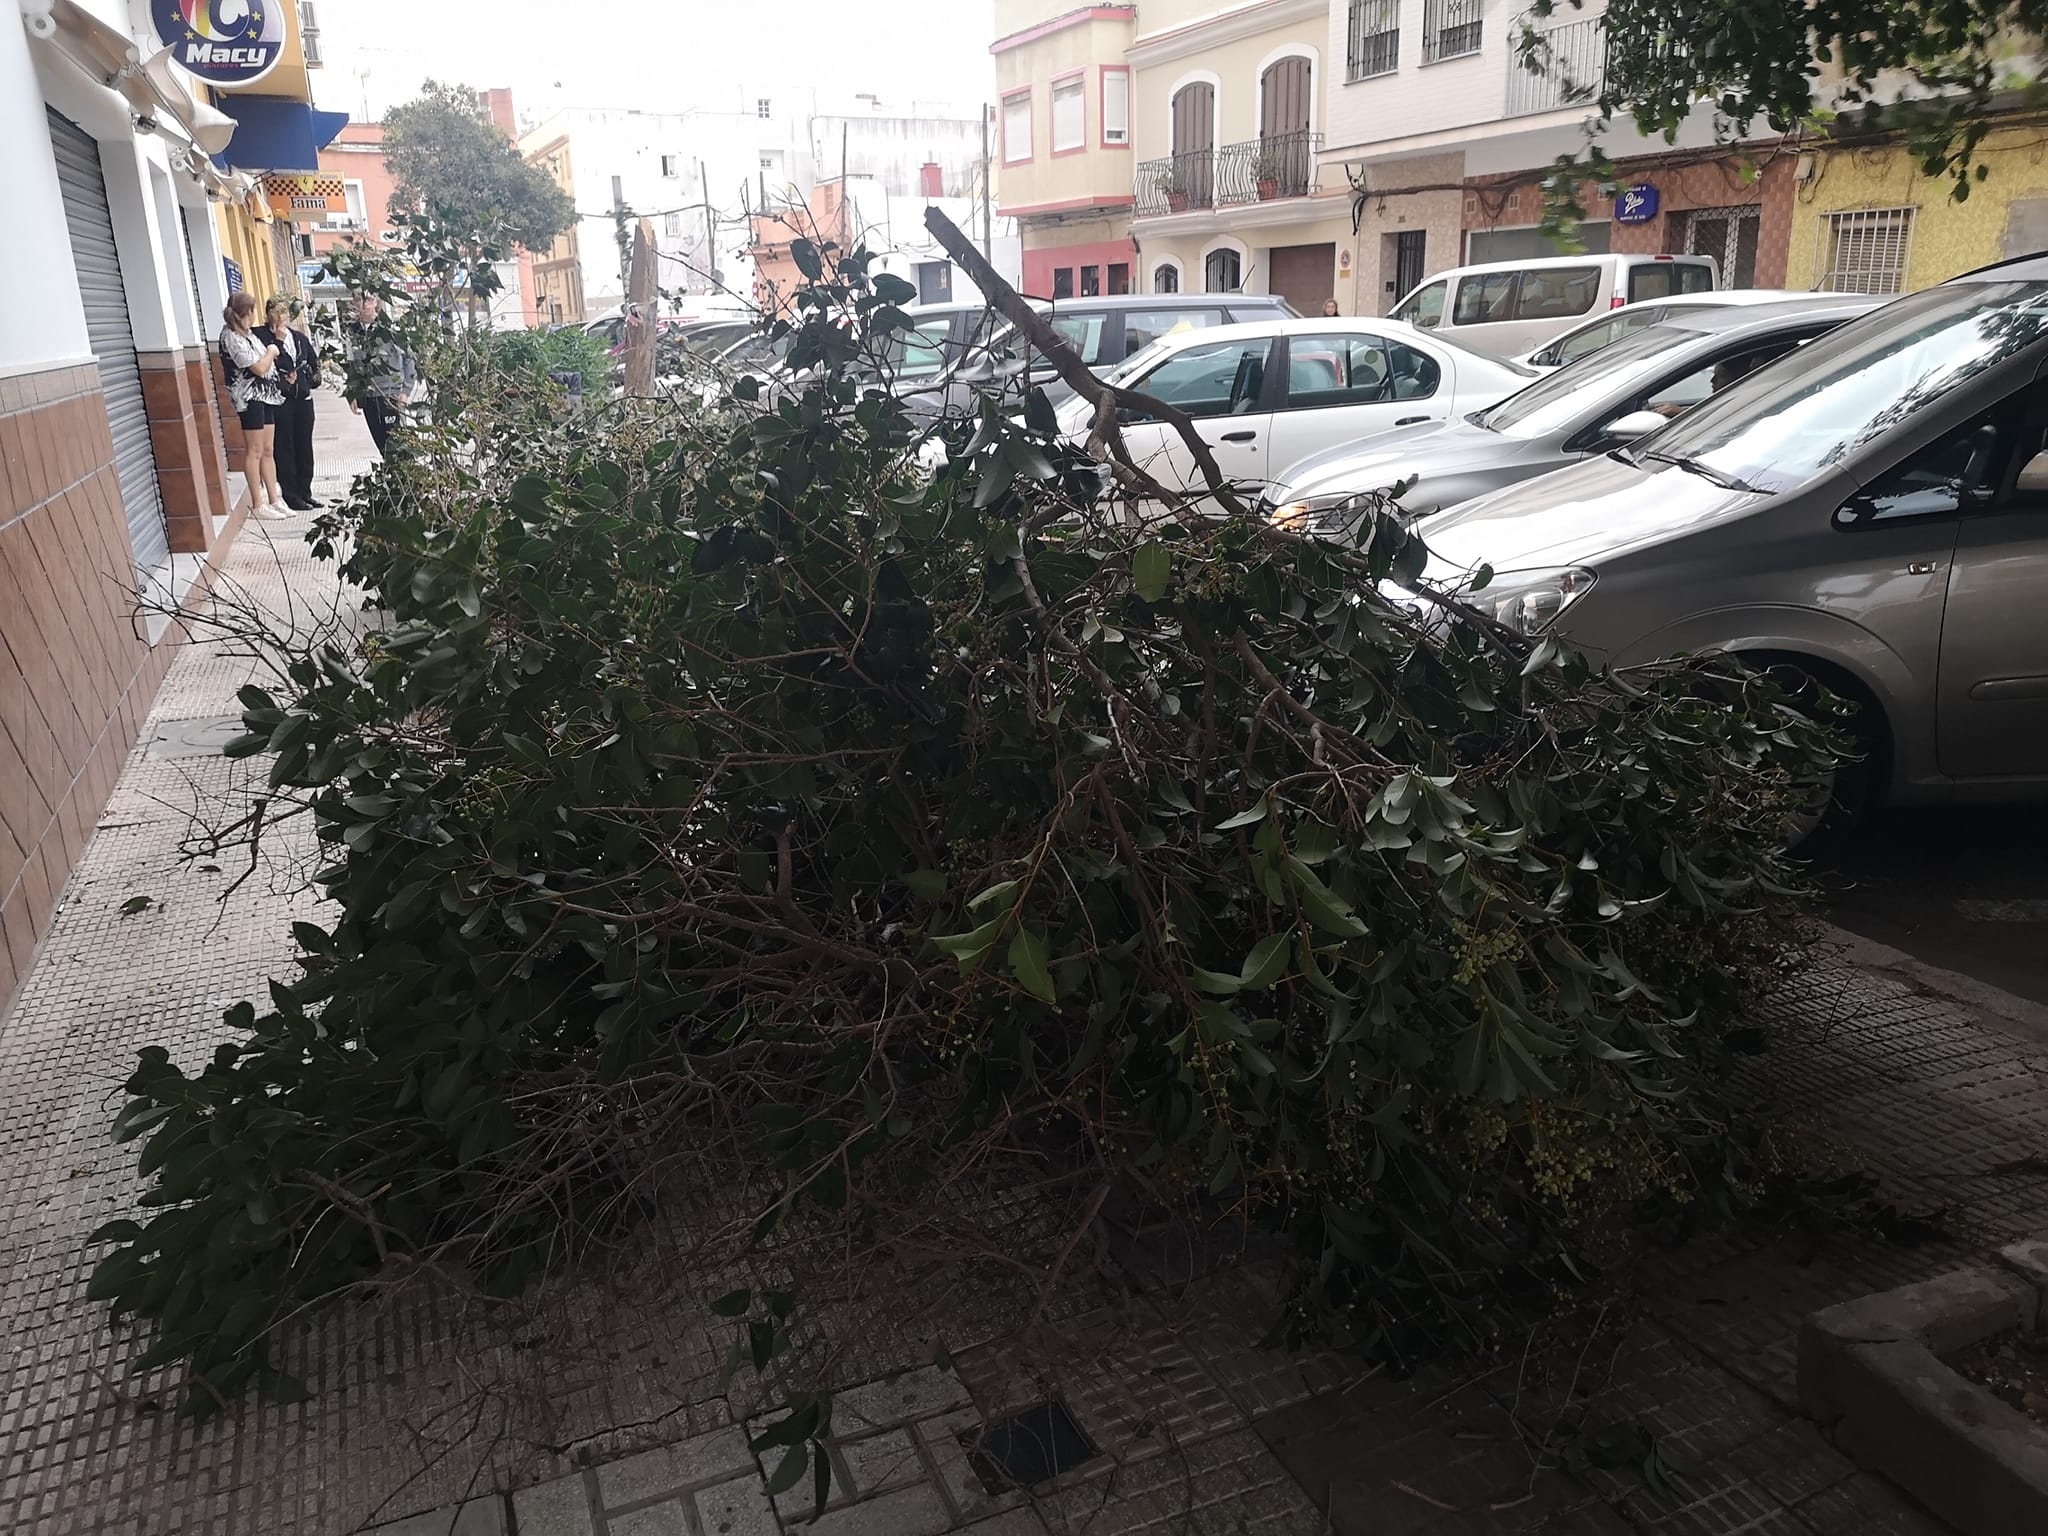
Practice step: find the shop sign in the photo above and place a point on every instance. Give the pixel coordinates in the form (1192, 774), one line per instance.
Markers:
(304, 197)
(234, 273)
(1636, 205)
(223, 42)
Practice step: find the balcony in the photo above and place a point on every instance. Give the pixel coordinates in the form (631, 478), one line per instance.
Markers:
(1570, 68)
(1256, 171)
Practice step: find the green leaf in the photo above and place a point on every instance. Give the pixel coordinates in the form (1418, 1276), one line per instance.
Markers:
(1250, 818)
(733, 1303)
(119, 1230)
(1027, 964)
(970, 946)
(135, 904)
(1266, 964)
(794, 1460)
(1325, 908)
(925, 884)
(805, 255)
(1151, 571)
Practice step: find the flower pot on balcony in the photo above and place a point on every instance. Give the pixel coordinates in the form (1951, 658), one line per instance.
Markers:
(1269, 188)
(1176, 202)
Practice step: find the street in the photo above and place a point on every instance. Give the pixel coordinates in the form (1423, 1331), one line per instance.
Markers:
(1961, 888)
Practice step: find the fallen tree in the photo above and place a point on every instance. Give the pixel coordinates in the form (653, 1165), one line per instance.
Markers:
(728, 799)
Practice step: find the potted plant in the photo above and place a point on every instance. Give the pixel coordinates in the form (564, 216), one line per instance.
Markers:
(1173, 183)
(1266, 173)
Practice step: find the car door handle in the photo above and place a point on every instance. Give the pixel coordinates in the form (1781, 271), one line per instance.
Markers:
(1240, 437)
(1409, 421)
(1923, 567)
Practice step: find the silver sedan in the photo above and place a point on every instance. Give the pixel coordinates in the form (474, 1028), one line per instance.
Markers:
(1869, 514)
(1583, 409)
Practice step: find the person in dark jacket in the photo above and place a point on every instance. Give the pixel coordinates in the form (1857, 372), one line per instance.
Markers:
(392, 374)
(298, 366)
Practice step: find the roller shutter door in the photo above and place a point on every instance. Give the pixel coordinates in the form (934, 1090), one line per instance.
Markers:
(113, 342)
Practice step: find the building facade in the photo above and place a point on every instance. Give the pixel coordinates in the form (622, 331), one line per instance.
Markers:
(1063, 132)
(114, 482)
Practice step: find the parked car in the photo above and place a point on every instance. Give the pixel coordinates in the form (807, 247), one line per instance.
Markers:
(1509, 307)
(1273, 392)
(1589, 336)
(1105, 331)
(1869, 515)
(1588, 407)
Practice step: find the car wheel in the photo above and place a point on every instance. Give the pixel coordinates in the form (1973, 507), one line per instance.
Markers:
(1839, 799)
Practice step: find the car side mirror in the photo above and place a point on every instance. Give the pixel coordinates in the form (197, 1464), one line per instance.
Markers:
(1626, 429)
(2033, 480)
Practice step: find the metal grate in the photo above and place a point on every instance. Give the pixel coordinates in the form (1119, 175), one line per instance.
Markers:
(1865, 251)
(1451, 28)
(1568, 68)
(1375, 39)
(1027, 1448)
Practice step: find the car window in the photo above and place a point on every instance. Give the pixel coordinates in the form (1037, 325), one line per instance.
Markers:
(1485, 297)
(1351, 369)
(1937, 480)
(1620, 371)
(1674, 397)
(1216, 379)
(1142, 327)
(1861, 382)
(1086, 334)
(1424, 308)
(1667, 279)
(1602, 333)
(921, 350)
(1557, 293)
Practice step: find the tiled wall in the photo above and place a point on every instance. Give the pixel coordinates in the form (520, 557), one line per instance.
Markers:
(76, 678)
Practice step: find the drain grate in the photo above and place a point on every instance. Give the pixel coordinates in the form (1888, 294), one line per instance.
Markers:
(195, 738)
(1027, 1448)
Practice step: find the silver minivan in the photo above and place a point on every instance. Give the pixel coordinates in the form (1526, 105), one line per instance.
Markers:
(1869, 514)
(1509, 307)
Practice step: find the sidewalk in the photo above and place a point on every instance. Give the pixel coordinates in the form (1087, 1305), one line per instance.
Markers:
(593, 1408)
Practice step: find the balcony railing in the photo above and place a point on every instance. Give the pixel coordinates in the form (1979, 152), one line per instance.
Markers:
(1570, 68)
(1256, 171)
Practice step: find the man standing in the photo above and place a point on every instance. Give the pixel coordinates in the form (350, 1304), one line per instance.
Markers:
(298, 366)
(391, 370)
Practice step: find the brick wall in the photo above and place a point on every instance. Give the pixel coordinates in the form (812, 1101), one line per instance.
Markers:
(76, 679)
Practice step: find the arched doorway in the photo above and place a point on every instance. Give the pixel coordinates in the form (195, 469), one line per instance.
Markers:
(1284, 142)
(1194, 142)
(1222, 271)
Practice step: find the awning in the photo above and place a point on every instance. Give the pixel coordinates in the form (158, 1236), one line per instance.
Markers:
(275, 133)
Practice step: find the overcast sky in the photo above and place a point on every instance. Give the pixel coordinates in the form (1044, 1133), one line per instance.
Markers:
(657, 55)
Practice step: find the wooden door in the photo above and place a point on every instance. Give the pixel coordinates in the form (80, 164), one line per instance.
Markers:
(1304, 275)
(1283, 124)
(1194, 142)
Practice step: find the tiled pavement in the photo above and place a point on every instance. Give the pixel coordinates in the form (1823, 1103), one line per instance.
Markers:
(594, 1409)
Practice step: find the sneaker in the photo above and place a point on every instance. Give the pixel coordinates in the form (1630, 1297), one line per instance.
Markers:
(270, 514)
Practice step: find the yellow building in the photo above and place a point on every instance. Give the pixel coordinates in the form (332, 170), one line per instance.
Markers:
(1866, 219)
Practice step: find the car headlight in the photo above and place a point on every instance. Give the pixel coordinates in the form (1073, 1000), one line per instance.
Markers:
(1532, 601)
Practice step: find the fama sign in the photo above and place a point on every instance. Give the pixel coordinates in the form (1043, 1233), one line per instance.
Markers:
(223, 42)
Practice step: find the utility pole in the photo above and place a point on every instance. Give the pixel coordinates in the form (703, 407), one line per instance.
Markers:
(711, 280)
(987, 222)
(625, 241)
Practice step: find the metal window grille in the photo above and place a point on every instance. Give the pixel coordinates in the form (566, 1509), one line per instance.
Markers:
(1865, 251)
(1450, 28)
(1375, 38)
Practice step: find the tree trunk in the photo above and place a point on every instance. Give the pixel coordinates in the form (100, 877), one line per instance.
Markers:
(642, 315)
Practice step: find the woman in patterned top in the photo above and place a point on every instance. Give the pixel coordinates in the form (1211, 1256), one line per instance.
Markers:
(255, 391)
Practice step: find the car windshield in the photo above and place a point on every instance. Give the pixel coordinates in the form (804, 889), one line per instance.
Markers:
(1556, 401)
(1791, 423)
(921, 351)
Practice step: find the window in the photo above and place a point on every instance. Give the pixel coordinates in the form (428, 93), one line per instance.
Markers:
(1938, 481)
(672, 226)
(1222, 272)
(1016, 128)
(1091, 282)
(1119, 277)
(1485, 297)
(1450, 28)
(1069, 116)
(1674, 397)
(1085, 334)
(358, 215)
(1865, 252)
(1425, 308)
(1729, 235)
(934, 282)
(1668, 279)
(1063, 282)
(1350, 369)
(1219, 379)
(1165, 279)
(1374, 47)
(1557, 293)
(1144, 326)
(1116, 105)
(668, 166)
(921, 352)
(762, 107)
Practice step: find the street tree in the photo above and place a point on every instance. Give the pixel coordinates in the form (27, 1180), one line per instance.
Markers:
(1936, 71)
(444, 151)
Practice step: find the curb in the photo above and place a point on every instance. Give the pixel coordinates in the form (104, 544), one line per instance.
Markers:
(1871, 1375)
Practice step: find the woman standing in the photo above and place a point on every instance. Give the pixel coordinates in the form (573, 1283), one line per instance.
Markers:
(298, 367)
(254, 392)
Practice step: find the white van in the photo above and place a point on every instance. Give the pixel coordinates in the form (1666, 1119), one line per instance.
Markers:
(1508, 307)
